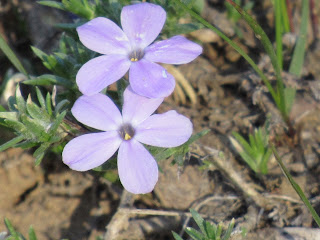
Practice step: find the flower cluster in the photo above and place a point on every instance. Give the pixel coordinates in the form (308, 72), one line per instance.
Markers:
(128, 49)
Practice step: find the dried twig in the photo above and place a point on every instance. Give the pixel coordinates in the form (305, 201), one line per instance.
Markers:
(314, 19)
(183, 82)
(226, 165)
(283, 197)
(120, 219)
(152, 212)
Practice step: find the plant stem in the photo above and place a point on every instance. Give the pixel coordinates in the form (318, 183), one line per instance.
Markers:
(285, 17)
(262, 36)
(278, 27)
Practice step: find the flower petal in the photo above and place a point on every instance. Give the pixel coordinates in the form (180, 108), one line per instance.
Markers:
(142, 23)
(137, 108)
(100, 72)
(97, 111)
(169, 129)
(175, 50)
(138, 170)
(150, 79)
(103, 36)
(90, 150)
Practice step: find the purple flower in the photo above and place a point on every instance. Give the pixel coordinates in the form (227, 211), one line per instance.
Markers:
(129, 49)
(138, 170)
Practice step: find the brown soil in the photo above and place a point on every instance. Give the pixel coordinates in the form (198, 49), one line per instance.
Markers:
(61, 203)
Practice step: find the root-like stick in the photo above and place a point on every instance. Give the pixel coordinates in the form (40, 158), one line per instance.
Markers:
(284, 198)
(179, 95)
(183, 82)
(314, 19)
(152, 212)
(120, 219)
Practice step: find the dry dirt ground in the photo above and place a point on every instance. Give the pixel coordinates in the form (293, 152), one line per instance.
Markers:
(64, 204)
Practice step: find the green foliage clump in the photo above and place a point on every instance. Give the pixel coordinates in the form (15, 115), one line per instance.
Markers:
(208, 231)
(255, 152)
(34, 125)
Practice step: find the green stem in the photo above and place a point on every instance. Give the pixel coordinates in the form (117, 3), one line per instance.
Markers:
(262, 36)
(278, 21)
(11, 143)
(285, 17)
(234, 45)
(296, 187)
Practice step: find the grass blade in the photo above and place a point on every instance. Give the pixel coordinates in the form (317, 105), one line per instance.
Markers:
(285, 17)
(279, 30)
(11, 56)
(299, 51)
(262, 36)
(296, 187)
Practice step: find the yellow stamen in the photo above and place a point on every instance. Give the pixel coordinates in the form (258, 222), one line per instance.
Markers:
(127, 136)
(134, 59)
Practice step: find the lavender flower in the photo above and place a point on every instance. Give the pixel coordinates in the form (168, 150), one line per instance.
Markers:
(138, 170)
(129, 49)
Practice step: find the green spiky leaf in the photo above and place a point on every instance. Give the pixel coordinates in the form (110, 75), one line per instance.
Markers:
(52, 4)
(198, 219)
(176, 236)
(194, 234)
(48, 80)
(32, 234)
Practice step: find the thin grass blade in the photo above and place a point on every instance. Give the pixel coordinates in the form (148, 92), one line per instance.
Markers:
(296, 187)
(285, 16)
(262, 36)
(278, 18)
(11, 56)
(300, 48)
(234, 45)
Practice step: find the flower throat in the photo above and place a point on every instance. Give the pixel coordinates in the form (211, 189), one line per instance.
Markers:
(126, 132)
(136, 55)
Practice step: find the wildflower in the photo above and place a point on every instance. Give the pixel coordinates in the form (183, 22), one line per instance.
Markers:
(138, 170)
(129, 49)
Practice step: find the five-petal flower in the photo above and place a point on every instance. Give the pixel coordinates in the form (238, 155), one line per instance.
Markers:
(138, 170)
(129, 49)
